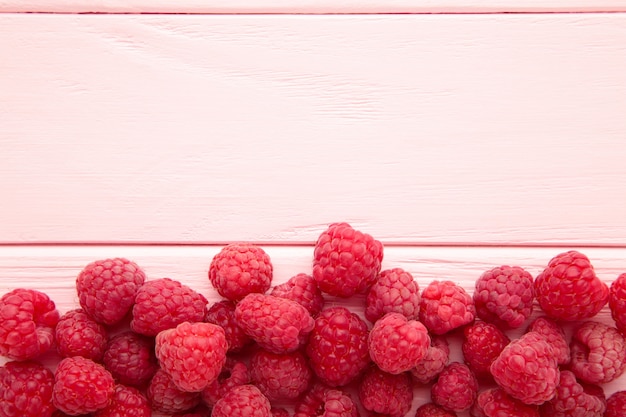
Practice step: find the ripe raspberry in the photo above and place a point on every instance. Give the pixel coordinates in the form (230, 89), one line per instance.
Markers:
(435, 360)
(303, 289)
(234, 373)
(222, 313)
(280, 376)
(337, 346)
(504, 296)
(346, 261)
(616, 405)
(395, 291)
(385, 393)
(240, 269)
(193, 354)
(279, 412)
(456, 388)
(130, 358)
(25, 390)
(495, 402)
(243, 401)
(165, 397)
(127, 402)
(81, 386)
(598, 353)
(27, 322)
(568, 288)
(107, 288)
(446, 306)
(574, 400)
(617, 302)
(277, 324)
(396, 344)
(77, 334)
(163, 304)
(433, 410)
(555, 336)
(527, 369)
(482, 344)
(323, 401)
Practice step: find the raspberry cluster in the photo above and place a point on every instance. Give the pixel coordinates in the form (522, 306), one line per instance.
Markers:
(137, 345)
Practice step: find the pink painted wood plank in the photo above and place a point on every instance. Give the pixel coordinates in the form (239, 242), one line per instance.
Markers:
(426, 129)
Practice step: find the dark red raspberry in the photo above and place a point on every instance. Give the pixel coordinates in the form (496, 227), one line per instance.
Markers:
(27, 322)
(234, 373)
(126, 402)
(165, 397)
(456, 388)
(482, 344)
(494, 402)
(433, 410)
(568, 288)
(346, 261)
(26, 390)
(598, 353)
(573, 399)
(303, 289)
(323, 401)
(280, 376)
(395, 291)
(164, 303)
(277, 324)
(243, 401)
(397, 344)
(280, 412)
(555, 336)
(446, 306)
(527, 369)
(337, 346)
(240, 269)
(504, 296)
(435, 360)
(617, 302)
(193, 354)
(616, 405)
(130, 358)
(81, 386)
(222, 313)
(385, 393)
(198, 411)
(77, 334)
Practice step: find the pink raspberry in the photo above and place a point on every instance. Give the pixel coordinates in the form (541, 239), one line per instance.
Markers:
(494, 402)
(277, 324)
(456, 388)
(193, 354)
(234, 373)
(163, 304)
(446, 306)
(25, 390)
(240, 269)
(568, 288)
(222, 313)
(385, 393)
(435, 360)
(280, 376)
(397, 344)
(77, 334)
(617, 302)
(27, 322)
(337, 348)
(573, 399)
(395, 291)
(243, 401)
(555, 336)
(323, 401)
(482, 344)
(81, 386)
(598, 353)
(346, 261)
(303, 289)
(130, 358)
(504, 296)
(433, 410)
(616, 404)
(165, 397)
(127, 402)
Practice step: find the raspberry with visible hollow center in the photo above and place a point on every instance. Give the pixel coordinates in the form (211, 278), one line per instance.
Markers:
(26, 389)
(77, 334)
(456, 388)
(598, 353)
(385, 393)
(395, 291)
(446, 306)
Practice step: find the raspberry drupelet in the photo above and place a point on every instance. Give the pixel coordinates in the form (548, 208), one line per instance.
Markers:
(445, 306)
(26, 389)
(385, 393)
(77, 334)
(395, 291)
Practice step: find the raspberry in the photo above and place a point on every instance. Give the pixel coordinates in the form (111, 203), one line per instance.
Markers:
(456, 388)
(574, 400)
(395, 291)
(233, 373)
(346, 261)
(25, 390)
(616, 405)
(240, 269)
(396, 344)
(555, 337)
(279, 412)
(527, 369)
(198, 411)
(165, 397)
(27, 322)
(495, 402)
(81, 386)
(77, 334)
(323, 401)
(243, 401)
(385, 393)
(130, 358)
(617, 302)
(277, 324)
(303, 289)
(164, 303)
(445, 306)
(433, 410)
(127, 402)
(504, 296)
(280, 376)
(435, 360)
(482, 344)
(598, 353)
(222, 313)
(568, 288)
(337, 346)
(193, 354)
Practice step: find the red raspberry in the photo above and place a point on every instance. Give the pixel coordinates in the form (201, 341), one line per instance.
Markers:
(573, 399)
(222, 313)
(617, 302)
(435, 360)
(77, 334)
(280, 412)
(395, 291)
(280, 376)
(240, 269)
(346, 261)
(446, 306)
(337, 346)
(243, 401)
(495, 402)
(127, 402)
(527, 369)
(396, 344)
(456, 388)
(482, 344)
(193, 354)
(164, 303)
(81, 386)
(598, 353)
(504, 296)
(433, 410)
(130, 358)
(277, 324)
(385, 393)
(568, 288)
(555, 336)
(303, 289)
(323, 401)
(234, 373)
(27, 322)
(25, 390)
(616, 405)
(165, 397)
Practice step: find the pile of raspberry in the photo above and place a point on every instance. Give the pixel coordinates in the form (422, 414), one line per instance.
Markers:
(139, 347)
